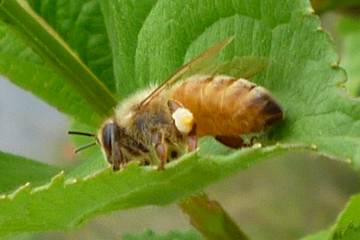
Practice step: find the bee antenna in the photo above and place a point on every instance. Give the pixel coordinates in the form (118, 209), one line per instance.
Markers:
(81, 133)
(84, 147)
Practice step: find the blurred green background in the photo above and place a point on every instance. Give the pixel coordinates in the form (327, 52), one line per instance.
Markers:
(279, 199)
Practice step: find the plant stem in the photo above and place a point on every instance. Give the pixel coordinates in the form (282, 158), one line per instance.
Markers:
(208, 217)
(48, 44)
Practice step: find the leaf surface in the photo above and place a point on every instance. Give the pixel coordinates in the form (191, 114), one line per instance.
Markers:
(35, 32)
(16, 171)
(124, 19)
(350, 33)
(63, 204)
(323, 235)
(347, 226)
(303, 72)
(26, 69)
(81, 25)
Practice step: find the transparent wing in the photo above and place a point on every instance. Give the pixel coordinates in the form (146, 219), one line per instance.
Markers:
(206, 63)
(238, 67)
(194, 65)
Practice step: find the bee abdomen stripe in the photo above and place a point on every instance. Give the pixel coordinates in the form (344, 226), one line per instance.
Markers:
(227, 105)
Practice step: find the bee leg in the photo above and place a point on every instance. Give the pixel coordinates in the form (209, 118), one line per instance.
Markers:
(232, 141)
(192, 139)
(161, 148)
(173, 105)
(161, 151)
(117, 158)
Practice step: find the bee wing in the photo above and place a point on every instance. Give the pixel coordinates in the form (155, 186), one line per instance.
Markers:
(239, 67)
(194, 65)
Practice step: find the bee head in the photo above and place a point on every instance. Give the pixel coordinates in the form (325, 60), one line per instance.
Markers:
(118, 145)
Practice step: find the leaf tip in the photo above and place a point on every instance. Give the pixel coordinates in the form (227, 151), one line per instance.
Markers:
(349, 161)
(22, 189)
(311, 10)
(313, 147)
(58, 178)
(71, 181)
(101, 172)
(257, 145)
(335, 65)
(319, 29)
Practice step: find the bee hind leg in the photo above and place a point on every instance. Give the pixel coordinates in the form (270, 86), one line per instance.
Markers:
(161, 148)
(162, 152)
(173, 105)
(192, 139)
(235, 142)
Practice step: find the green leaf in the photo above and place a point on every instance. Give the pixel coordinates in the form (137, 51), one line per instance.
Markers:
(173, 235)
(347, 226)
(92, 162)
(26, 69)
(81, 25)
(303, 72)
(91, 159)
(63, 204)
(19, 15)
(323, 235)
(16, 171)
(350, 29)
(124, 19)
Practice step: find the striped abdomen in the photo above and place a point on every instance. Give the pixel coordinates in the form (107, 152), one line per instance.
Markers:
(225, 106)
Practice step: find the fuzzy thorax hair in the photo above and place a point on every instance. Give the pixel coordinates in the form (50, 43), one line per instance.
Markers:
(125, 110)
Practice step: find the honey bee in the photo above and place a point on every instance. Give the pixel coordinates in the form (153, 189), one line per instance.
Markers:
(156, 125)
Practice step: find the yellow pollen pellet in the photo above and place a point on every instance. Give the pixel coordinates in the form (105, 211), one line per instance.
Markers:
(184, 120)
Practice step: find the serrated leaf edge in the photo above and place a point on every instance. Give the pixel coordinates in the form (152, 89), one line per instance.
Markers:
(60, 178)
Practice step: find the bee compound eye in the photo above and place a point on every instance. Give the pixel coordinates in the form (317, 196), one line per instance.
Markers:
(108, 135)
